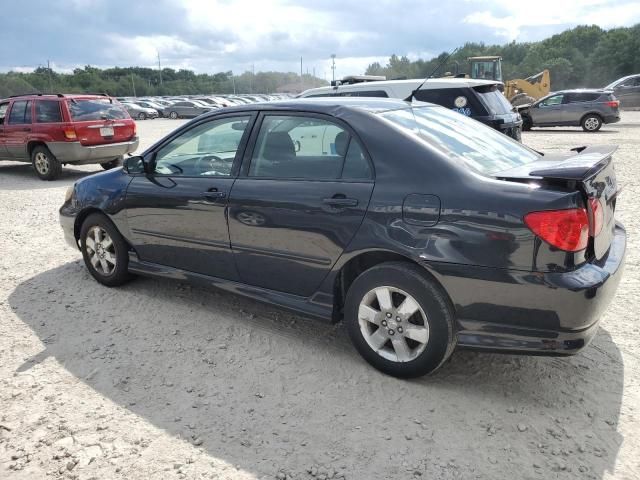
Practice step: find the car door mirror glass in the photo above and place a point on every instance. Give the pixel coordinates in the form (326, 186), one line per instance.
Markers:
(135, 164)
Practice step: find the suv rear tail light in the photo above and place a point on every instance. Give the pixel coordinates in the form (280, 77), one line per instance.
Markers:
(567, 230)
(597, 217)
(613, 103)
(70, 134)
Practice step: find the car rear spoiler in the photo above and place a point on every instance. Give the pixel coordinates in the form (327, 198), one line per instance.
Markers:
(583, 165)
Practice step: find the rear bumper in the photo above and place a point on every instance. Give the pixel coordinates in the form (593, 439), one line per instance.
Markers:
(535, 312)
(612, 118)
(74, 152)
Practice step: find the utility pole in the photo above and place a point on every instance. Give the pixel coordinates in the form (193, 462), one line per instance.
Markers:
(159, 67)
(301, 79)
(133, 85)
(253, 74)
(49, 73)
(333, 66)
(233, 82)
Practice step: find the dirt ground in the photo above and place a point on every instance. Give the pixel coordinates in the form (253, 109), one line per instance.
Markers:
(159, 380)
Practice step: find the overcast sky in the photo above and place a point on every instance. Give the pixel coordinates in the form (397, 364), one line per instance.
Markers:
(220, 35)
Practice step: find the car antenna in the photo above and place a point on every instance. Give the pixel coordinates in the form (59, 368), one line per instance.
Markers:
(413, 93)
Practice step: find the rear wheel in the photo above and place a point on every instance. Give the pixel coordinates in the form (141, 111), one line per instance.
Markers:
(47, 166)
(399, 320)
(591, 123)
(112, 164)
(173, 115)
(526, 124)
(104, 251)
(142, 116)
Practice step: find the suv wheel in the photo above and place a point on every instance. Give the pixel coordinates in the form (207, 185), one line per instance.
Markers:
(47, 166)
(173, 115)
(104, 251)
(112, 164)
(400, 321)
(591, 123)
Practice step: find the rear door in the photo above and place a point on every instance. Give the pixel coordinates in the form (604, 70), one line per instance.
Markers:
(299, 201)
(100, 120)
(178, 214)
(17, 129)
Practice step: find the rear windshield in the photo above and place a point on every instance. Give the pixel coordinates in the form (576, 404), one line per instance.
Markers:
(494, 100)
(96, 109)
(478, 146)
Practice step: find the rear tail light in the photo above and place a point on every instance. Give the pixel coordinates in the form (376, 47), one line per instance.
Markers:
(613, 103)
(134, 128)
(597, 217)
(567, 230)
(70, 134)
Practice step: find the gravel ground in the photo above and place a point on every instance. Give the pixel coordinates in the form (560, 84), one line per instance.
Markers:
(159, 380)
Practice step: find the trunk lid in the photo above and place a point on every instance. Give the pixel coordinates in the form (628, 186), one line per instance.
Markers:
(99, 121)
(588, 169)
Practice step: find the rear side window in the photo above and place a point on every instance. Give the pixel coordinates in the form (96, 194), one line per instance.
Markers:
(366, 93)
(48, 111)
(83, 110)
(461, 100)
(20, 112)
(306, 148)
(581, 97)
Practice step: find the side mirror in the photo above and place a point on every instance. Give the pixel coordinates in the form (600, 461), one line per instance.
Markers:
(134, 164)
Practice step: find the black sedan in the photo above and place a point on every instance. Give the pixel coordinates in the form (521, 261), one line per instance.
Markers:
(422, 229)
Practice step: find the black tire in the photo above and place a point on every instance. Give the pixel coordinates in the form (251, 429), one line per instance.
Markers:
(119, 251)
(112, 164)
(591, 122)
(142, 116)
(45, 164)
(526, 124)
(174, 115)
(431, 298)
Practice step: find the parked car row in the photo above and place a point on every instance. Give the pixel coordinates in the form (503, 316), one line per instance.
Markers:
(188, 106)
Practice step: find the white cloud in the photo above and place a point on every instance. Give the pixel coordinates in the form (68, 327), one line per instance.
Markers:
(517, 16)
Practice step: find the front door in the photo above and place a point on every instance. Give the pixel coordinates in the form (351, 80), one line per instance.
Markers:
(300, 200)
(3, 116)
(177, 214)
(549, 111)
(17, 128)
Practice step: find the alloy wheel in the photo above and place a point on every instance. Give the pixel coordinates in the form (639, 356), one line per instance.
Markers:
(393, 324)
(101, 251)
(591, 123)
(41, 162)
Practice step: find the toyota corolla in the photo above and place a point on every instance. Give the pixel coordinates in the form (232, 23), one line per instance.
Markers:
(419, 228)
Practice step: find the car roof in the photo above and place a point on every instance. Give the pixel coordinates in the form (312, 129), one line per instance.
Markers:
(583, 90)
(59, 95)
(431, 83)
(327, 104)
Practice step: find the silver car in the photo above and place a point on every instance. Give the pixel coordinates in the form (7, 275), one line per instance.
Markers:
(188, 109)
(589, 109)
(138, 112)
(627, 90)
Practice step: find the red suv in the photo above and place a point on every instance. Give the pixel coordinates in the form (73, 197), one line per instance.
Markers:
(52, 130)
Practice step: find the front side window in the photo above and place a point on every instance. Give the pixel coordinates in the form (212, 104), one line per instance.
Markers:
(83, 110)
(552, 101)
(208, 149)
(48, 111)
(306, 148)
(478, 146)
(20, 112)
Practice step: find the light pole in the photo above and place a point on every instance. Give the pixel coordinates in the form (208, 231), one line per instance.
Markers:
(333, 67)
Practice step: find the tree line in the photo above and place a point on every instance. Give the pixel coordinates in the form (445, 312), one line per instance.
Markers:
(585, 56)
(141, 81)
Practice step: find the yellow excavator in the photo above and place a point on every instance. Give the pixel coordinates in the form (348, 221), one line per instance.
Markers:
(518, 91)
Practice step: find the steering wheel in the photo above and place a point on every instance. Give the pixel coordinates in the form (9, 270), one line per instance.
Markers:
(209, 165)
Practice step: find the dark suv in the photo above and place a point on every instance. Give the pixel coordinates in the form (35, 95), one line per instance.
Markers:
(53, 130)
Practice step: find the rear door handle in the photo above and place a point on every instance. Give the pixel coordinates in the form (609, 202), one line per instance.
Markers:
(213, 193)
(340, 201)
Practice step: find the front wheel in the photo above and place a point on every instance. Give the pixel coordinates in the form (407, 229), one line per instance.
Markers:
(173, 115)
(47, 166)
(591, 123)
(104, 251)
(142, 116)
(399, 320)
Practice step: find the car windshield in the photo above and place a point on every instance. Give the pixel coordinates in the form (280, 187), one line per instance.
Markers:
(494, 100)
(462, 138)
(96, 109)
